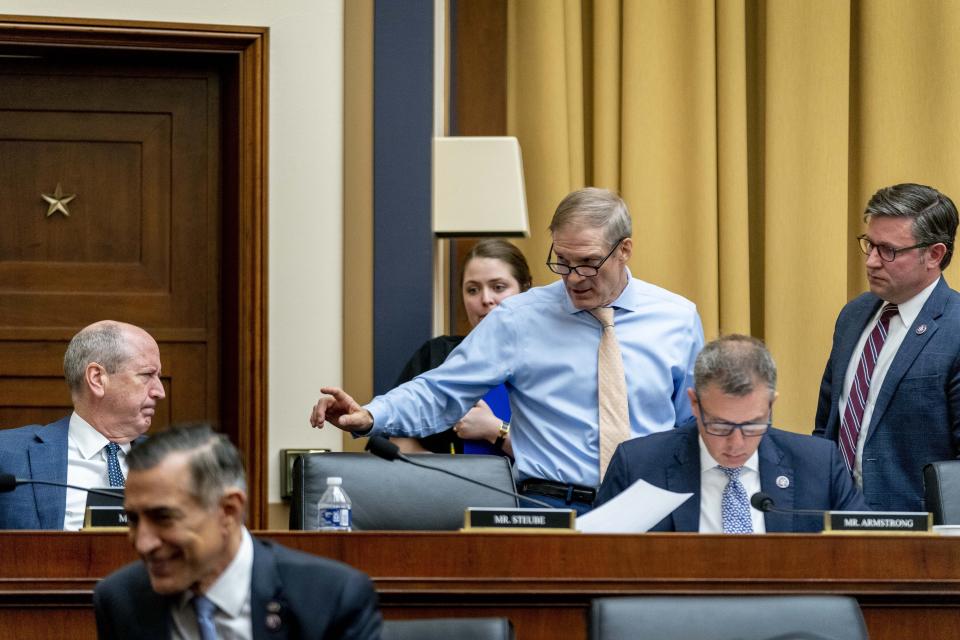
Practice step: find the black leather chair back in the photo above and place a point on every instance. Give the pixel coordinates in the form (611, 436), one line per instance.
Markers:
(448, 629)
(727, 617)
(941, 488)
(396, 495)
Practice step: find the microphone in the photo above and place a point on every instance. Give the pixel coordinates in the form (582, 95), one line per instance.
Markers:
(8, 482)
(383, 448)
(763, 502)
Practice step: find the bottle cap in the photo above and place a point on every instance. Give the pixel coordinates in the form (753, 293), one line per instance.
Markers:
(335, 481)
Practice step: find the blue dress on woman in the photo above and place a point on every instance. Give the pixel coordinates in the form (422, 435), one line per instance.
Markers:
(431, 355)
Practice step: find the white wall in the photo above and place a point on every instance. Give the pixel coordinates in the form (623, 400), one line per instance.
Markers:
(305, 188)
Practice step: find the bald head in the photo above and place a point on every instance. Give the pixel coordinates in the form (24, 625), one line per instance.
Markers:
(113, 371)
(103, 342)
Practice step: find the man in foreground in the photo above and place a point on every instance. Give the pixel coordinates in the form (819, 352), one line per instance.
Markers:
(113, 371)
(203, 575)
(590, 361)
(732, 452)
(890, 396)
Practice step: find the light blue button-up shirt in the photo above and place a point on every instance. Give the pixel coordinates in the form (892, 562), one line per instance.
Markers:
(545, 350)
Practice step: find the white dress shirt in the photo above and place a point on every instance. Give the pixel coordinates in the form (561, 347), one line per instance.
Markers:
(86, 467)
(896, 332)
(712, 483)
(231, 595)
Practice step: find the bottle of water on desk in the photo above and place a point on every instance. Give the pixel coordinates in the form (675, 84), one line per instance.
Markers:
(333, 508)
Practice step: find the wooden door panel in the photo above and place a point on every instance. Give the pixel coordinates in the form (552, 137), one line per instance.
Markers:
(140, 221)
(138, 142)
(33, 391)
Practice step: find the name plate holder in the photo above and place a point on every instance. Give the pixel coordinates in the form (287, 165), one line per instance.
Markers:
(105, 517)
(878, 522)
(508, 520)
(104, 509)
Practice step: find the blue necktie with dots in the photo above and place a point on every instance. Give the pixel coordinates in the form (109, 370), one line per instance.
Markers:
(113, 465)
(735, 507)
(205, 608)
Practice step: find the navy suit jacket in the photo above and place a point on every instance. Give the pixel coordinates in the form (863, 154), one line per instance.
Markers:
(916, 419)
(294, 595)
(817, 477)
(37, 453)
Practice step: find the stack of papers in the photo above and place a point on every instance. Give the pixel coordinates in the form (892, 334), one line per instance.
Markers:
(635, 510)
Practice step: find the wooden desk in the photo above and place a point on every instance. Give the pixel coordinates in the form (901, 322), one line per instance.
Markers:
(908, 587)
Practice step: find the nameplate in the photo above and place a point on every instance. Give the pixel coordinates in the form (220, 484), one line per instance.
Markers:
(99, 517)
(877, 522)
(488, 518)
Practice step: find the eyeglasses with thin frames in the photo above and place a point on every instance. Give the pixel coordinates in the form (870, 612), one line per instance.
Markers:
(583, 270)
(724, 429)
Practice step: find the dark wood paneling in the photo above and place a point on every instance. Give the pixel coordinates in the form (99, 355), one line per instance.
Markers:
(135, 149)
(478, 103)
(33, 390)
(907, 586)
(223, 58)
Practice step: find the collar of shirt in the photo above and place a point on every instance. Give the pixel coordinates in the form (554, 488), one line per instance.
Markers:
(232, 589)
(628, 299)
(89, 441)
(707, 463)
(909, 310)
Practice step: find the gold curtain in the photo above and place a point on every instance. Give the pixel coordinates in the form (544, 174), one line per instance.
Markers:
(746, 138)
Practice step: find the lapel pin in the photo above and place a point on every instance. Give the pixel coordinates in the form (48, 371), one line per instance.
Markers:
(273, 621)
(922, 329)
(783, 482)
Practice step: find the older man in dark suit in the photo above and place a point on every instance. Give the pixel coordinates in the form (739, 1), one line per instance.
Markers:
(732, 452)
(203, 575)
(890, 395)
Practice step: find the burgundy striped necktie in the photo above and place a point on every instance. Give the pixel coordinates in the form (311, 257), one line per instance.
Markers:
(850, 424)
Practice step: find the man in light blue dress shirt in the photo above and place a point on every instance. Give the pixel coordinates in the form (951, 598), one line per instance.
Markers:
(543, 345)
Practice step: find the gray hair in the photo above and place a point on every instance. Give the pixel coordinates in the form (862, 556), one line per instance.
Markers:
(103, 343)
(214, 465)
(933, 214)
(596, 209)
(736, 364)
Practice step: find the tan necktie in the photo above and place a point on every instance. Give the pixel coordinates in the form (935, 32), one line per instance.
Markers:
(611, 390)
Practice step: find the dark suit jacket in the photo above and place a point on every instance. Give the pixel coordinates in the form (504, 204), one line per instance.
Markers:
(38, 453)
(818, 478)
(315, 598)
(916, 419)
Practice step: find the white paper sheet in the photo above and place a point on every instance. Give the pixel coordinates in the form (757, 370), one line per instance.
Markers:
(635, 510)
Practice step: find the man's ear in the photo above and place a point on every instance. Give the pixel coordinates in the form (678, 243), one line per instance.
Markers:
(234, 504)
(935, 253)
(94, 376)
(626, 248)
(694, 405)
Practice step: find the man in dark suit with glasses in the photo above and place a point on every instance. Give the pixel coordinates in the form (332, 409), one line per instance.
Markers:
(733, 452)
(890, 396)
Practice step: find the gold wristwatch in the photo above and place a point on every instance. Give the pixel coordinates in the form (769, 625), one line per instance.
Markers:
(502, 435)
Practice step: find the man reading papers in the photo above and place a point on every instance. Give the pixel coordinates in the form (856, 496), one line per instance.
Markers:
(732, 452)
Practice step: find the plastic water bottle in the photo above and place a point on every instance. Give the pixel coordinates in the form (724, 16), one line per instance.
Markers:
(334, 508)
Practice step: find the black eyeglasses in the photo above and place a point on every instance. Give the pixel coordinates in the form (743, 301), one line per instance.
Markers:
(724, 429)
(584, 270)
(885, 251)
